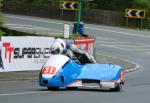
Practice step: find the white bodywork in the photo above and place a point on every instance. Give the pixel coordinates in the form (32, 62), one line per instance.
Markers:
(76, 84)
(53, 65)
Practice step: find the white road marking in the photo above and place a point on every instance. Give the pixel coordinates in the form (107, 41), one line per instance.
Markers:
(140, 49)
(112, 31)
(118, 43)
(31, 27)
(110, 42)
(146, 45)
(21, 25)
(98, 29)
(113, 47)
(22, 93)
(104, 38)
(148, 53)
(125, 45)
(36, 29)
(25, 18)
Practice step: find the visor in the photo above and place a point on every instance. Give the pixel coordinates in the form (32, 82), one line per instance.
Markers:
(57, 51)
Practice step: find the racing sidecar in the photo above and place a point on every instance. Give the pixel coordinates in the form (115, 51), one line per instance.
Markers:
(61, 72)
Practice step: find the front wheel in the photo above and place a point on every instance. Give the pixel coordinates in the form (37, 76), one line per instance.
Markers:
(52, 88)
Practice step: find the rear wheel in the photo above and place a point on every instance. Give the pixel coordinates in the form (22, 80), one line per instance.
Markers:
(52, 88)
(72, 88)
(117, 87)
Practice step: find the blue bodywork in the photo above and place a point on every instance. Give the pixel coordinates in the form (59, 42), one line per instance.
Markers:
(72, 72)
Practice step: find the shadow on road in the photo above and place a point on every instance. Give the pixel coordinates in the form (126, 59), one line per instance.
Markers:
(80, 89)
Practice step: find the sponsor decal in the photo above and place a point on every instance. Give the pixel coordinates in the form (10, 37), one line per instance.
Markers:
(12, 53)
(1, 62)
(19, 53)
(49, 70)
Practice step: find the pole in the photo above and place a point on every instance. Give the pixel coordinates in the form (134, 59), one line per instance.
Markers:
(127, 22)
(79, 14)
(62, 13)
(141, 24)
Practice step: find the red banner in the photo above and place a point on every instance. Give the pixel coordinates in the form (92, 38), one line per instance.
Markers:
(85, 44)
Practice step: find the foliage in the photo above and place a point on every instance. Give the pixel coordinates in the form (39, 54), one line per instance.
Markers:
(1, 20)
(70, 36)
(118, 5)
(2, 33)
(143, 4)
(37, 2)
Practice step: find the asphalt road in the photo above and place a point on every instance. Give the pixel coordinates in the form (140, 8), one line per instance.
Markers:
(132, 45)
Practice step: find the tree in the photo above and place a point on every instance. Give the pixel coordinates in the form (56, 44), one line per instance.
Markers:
(37, 2)
(1, 20)
(118, 5)
(143, 4)
(121, 5)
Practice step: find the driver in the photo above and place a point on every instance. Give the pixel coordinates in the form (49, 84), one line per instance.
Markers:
(56, 48)
(71, 50)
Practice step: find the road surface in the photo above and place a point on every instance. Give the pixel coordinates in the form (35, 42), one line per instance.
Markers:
(132, 45)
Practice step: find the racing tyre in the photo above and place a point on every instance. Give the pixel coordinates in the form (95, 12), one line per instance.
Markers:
(117, 88)
(72, 88)
(52, 88)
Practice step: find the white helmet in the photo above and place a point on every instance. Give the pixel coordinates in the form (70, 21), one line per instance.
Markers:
(56, 48)
(62, 42)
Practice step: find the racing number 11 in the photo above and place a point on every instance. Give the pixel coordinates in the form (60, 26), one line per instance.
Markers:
(48, 70)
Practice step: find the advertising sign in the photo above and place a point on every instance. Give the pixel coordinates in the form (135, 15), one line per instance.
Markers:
(24, 52)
